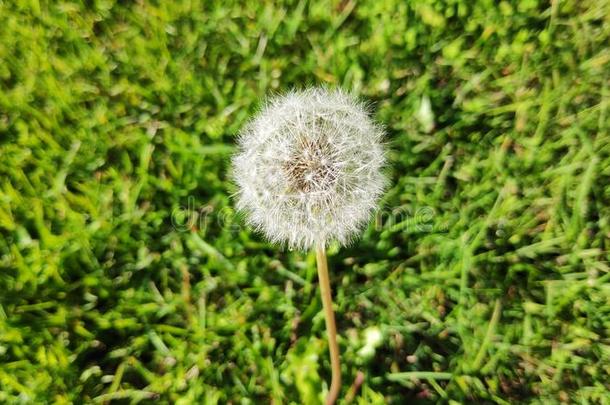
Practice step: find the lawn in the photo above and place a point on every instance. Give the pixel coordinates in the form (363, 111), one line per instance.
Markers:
(126, 276)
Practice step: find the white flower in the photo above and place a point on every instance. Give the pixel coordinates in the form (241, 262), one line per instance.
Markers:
(308, 168)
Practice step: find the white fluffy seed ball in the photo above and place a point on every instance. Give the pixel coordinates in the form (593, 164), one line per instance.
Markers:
(308, 168)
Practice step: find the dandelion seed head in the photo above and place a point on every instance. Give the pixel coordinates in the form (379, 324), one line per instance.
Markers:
(309, 168)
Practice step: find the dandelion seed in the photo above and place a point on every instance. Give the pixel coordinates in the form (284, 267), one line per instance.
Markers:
(309, 168)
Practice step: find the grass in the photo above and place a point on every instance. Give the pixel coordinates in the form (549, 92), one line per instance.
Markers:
(127, 277)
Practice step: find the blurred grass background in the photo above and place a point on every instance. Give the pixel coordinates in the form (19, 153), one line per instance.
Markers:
(126, 277)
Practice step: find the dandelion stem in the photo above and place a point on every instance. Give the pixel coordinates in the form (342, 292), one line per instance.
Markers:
(331, 328)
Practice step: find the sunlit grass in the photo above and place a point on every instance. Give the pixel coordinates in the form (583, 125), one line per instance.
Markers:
(125, 273)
